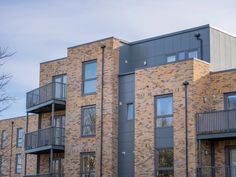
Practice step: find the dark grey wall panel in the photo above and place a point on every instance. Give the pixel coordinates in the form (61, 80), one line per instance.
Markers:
(223, 50)
(155, 50)
(125, 127)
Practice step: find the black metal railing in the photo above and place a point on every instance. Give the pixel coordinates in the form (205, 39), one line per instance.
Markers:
(216, 122)
(45, 137)
(45, 175)
(54, 90)
(216, 171)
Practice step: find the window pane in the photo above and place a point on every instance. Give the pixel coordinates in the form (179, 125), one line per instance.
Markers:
(19, 138)
(90, 86)
(181, 55)
(164, 122)
(89, 121)
(164, 106)
(193, 54)
(165, 158)
(171, 58)
(130, 111)
(231, 102)
(88, 164)
(90, 70)
(18, 163)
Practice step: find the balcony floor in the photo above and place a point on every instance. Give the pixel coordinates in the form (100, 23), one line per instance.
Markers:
(45, 149)
(223, 135)
(47, 106)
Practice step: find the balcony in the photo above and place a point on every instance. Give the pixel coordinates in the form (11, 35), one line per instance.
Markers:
(41, 141)
(46, 175)
(41, 99)
(217, 124)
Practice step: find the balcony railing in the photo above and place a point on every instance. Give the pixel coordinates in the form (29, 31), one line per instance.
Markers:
(217, 171)
(46, 175)
(216, 122)
(51, 91)
(53, 136)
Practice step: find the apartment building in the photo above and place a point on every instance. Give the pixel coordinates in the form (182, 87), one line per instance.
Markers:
(163, 106)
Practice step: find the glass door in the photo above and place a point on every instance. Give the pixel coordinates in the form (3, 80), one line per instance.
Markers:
(58, 168)
(58, 124)
(60, 87)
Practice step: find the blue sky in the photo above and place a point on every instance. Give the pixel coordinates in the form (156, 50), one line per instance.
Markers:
(42, 30)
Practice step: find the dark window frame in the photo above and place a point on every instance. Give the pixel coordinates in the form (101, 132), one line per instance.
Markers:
(226, 97)
(17, 138)
(3, 140)
(127, 112)
(16, 163)
(82, 154)
(82, 120)
(163, 116)
(157, 160)
(91, 79)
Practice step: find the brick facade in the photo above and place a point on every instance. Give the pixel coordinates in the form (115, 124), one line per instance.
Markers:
(205, 93)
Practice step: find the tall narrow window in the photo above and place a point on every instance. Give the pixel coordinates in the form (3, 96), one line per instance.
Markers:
(164, 111)
(18, 163)
(130, 111)
(4, 139)
(88, 121)
(89, 77)
(19, 138)
(87, 164)
(165, 163)
(230, 101)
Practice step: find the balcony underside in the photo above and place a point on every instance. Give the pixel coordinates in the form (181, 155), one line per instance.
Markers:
(47, 106)
(45, 149)
(219, 136)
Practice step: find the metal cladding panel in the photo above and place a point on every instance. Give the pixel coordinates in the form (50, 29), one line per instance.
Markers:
(154, 51)
(125, 128)
(164, 137)
(223, 50)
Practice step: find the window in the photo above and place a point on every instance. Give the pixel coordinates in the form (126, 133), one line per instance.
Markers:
(130, 111)
(88, 121)
(230, 101)
(60, 82)
(89, 77)
(18, 163)
(164, 111)
(4, 139)
(193, 54)
(165, 163)
(19, 138)
(88, 164)
(181, 55)
(171, 58)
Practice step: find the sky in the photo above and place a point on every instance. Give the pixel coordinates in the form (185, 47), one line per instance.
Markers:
(42, 30)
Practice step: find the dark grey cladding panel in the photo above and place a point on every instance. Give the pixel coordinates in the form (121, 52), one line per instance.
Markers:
(125, 128)
(164, 137)
(155, 51)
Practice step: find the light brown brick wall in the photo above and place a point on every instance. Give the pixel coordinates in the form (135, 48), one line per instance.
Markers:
(7, 125)
(161, 80)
